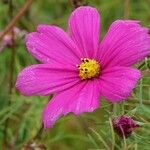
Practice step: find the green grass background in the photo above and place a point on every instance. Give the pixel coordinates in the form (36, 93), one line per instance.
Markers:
(90, 130)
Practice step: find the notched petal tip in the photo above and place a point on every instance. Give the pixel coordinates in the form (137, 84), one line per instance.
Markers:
(117, 83)
(47, 124)
(84, 8)
(20, 84)
(50, 115)
(126, 23)
(46, 27)
(29, 41)
(29, 35)
(78, 99)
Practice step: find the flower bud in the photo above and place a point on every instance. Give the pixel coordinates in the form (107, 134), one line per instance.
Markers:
(124, 125)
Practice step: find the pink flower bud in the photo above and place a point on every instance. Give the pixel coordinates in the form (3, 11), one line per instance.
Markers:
(124, 125)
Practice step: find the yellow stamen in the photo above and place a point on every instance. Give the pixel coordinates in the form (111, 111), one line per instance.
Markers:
(89, 68)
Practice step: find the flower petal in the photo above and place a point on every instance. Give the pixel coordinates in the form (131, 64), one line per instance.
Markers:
(44, 79)
(50, 43)
(84, 26)
(83, 97)
(125, 43)
(116, 83)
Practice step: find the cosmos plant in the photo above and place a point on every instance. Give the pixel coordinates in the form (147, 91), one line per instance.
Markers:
(78, 68)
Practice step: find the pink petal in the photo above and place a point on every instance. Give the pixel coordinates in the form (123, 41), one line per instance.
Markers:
(45, 79)
(83, 97)
(84, 26)
(116, 83)
(125, 43)
(52, 44)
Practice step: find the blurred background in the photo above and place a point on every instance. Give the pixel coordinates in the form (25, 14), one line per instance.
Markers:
(20, 117)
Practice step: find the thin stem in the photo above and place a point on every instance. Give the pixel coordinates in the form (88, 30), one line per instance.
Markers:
(136, 100)
(141, 65)
(12, 64)
(38, 134)
(13, 22)
(115, 109)
(126, 9)
(112, 133)
(140, 91)
(125, 143)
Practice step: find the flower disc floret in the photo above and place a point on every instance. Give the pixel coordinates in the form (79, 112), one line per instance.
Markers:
(89, 68)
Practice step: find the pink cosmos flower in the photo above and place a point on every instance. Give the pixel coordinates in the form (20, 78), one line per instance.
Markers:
(78, 68)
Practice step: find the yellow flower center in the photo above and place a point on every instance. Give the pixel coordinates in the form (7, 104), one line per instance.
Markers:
(89, 68)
